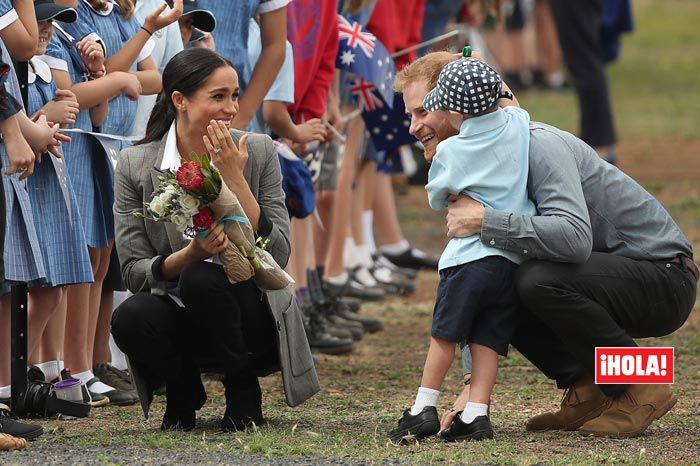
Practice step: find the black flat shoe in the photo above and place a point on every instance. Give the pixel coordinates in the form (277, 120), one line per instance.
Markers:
(233, 424)
(479, 429)
(243, 402)
(423, 424)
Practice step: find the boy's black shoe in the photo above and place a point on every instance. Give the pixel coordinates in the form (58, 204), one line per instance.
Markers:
(479, 429)
(423, 424)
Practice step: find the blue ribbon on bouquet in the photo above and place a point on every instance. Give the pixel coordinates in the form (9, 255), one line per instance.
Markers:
(225, 222)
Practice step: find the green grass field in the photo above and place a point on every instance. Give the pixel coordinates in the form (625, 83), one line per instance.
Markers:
(657, 105)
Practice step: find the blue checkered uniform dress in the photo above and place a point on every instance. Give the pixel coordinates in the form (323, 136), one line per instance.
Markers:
(21, 255)
(61, 237)
(89, 169)
(115, 32)
(231, 32)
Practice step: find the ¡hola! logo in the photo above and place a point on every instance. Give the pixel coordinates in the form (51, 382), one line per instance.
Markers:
(634, 365)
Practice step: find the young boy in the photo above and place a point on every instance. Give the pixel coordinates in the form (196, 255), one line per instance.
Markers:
(476, 300)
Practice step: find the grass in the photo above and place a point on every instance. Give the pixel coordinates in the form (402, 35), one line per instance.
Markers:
(652, 84)
(656, 103)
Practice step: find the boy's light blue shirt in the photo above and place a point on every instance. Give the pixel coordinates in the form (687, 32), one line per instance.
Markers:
(487, 160)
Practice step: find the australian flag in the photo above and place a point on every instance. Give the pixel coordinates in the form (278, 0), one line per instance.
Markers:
(388, 126)
(360, 53)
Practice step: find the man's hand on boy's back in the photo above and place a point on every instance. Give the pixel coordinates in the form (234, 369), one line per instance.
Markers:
(464, 216)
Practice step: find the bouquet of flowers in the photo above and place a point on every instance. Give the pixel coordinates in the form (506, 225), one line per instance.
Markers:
(195, 198)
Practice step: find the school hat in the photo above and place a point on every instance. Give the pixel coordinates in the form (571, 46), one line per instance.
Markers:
(467, 86)
(47, 9)
(201, 18)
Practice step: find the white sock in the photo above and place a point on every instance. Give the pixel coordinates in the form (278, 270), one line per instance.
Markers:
(473, 410)
(367, 230)
(118, 358)
(396, 248)
(97, 387)
(364, 276)
(425, 397)
(349, 253)
(5, 391)
(338, 279)
(364, 255)
(51, 369)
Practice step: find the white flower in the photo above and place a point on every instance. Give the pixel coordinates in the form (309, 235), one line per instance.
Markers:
(158, 206)
(180, 220)
(165, 197)
(189, 204)
(170, 189)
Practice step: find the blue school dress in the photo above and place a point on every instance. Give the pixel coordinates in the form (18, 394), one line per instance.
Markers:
(114, 32)
(21, 255)
(231, 35)
(89, 169)
(56, 214)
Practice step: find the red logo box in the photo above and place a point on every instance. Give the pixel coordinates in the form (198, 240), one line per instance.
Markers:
(634, 365)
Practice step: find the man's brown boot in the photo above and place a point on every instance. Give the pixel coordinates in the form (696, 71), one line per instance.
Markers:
(581, 402)
(631, 413)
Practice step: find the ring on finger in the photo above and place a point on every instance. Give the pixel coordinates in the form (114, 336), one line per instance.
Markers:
(217, 150)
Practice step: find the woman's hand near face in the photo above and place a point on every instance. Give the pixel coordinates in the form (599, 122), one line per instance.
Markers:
(228, 159)
(214, 243)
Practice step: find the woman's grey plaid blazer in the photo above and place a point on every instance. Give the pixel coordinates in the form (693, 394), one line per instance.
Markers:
(141, 242)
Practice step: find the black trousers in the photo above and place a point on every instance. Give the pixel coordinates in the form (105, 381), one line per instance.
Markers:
(223, 327)
(578, 27)
(569, 309)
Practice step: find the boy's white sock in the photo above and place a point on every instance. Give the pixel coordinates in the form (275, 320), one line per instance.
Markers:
(473, 410)
(367, 231)
(425, 397)
(5, 391)
(395, 249)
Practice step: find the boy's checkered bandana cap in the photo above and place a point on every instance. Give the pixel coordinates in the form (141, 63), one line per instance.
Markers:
(467, 86)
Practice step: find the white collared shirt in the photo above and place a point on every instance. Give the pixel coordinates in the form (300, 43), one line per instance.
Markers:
(171, 155)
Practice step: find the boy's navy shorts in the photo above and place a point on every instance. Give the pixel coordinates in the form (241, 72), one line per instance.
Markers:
(477, 303)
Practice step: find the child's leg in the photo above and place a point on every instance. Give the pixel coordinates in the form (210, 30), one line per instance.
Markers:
(437, 363)
(484, 370)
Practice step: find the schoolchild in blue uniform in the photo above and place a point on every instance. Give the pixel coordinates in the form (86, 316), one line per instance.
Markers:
(22, 258)
(127, 73)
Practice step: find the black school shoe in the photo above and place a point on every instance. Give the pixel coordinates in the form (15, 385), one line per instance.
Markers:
(10, 425)
(413, 258)
(479, 429)
(423, 424)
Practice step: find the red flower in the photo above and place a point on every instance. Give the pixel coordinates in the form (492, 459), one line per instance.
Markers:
(204, 219)
(190, 177)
